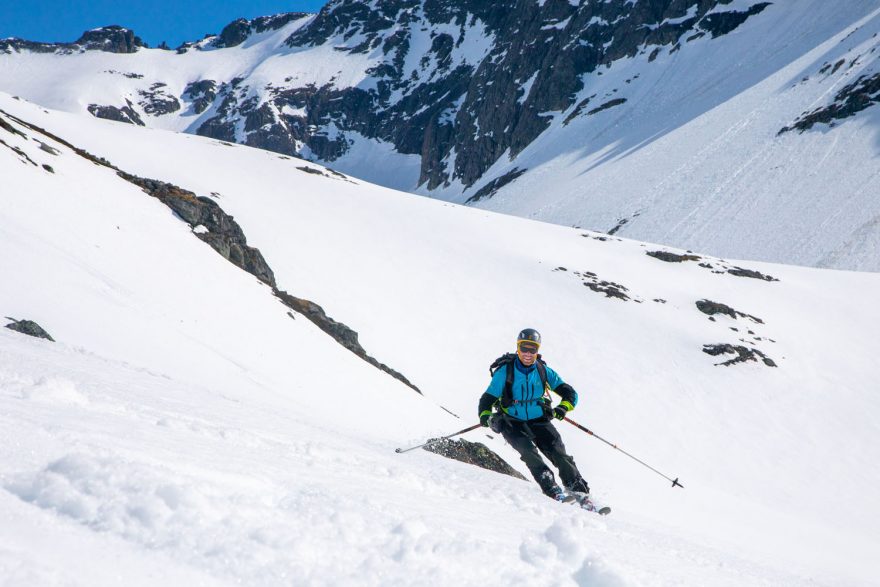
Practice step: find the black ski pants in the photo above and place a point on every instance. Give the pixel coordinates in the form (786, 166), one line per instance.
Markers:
(528, 437)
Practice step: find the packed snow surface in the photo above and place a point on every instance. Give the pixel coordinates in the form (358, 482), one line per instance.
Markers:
(186, 429)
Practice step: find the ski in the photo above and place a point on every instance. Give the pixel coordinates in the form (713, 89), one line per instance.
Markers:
(584, 501)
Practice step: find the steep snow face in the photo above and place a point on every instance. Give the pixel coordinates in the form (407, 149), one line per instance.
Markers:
(184, 418)
(773, 156)
(656, 120)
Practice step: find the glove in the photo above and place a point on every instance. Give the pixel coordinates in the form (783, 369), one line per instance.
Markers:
(561, 410)
(484, 419)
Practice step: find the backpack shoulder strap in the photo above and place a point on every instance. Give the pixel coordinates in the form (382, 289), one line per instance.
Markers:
(505, 361)
(500, 362)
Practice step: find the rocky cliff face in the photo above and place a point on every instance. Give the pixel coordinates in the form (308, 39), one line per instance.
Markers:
(458, 83)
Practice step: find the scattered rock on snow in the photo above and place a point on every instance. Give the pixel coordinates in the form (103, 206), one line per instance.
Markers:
(671, 257)
(609, 288)
(719, 266)
(711, 308)
(742, 353)
(47, 148)
(740, 272)
(592, 281)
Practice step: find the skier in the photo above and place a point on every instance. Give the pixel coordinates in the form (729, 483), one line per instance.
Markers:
(519, 388)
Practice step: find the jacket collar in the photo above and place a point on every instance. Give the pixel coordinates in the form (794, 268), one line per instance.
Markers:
(522, 368)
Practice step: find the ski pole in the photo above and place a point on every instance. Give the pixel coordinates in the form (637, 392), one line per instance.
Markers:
(474, 427)
(591, 433)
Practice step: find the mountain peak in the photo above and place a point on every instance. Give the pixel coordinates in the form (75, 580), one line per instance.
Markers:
(112, 39)
(237, 31)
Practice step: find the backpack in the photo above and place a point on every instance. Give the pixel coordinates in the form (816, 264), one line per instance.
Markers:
(506, 360)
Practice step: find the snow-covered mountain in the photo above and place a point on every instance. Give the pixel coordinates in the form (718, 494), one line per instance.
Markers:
(690, 122)
(189, 426)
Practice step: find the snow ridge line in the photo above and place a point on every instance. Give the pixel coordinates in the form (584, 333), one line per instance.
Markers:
(227, 238)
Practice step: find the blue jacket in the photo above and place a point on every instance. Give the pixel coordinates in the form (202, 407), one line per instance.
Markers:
(527, 390)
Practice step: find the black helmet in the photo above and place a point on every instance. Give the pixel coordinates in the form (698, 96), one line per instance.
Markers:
(529, 335)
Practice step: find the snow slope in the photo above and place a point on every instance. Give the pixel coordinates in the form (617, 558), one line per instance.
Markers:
(185, 419)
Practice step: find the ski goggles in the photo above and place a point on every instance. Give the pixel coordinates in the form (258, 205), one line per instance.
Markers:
(527, 348)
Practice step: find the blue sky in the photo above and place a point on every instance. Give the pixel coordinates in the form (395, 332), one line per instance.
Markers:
(153, 21)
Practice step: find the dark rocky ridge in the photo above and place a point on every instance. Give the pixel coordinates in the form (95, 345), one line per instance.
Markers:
(226, 237)
(223, 234)
(339, 332)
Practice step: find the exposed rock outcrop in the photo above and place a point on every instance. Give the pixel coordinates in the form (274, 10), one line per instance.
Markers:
(488, 190)
(221, 231)
(851, 99)
(157, 101)
(125, 113)
(474, 453)
(28, 327)
(201, 94)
